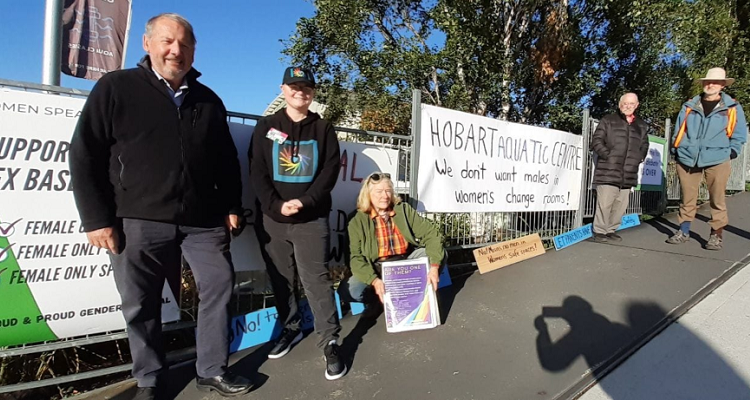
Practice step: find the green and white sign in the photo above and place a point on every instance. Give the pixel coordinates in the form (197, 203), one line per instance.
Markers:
(653, 170)
(53, 284)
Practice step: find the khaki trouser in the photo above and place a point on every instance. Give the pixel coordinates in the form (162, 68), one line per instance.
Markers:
(717, 177)
(611, 203)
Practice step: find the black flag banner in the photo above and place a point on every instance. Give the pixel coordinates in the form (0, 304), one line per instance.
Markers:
(94, 36)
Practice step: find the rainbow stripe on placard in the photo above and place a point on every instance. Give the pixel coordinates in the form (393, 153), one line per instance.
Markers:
(421, 314)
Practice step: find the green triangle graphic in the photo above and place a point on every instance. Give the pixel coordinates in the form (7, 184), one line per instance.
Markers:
(18, 309)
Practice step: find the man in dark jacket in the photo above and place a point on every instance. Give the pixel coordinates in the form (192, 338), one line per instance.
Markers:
(621, 144)
(294, 164)
(156, 177)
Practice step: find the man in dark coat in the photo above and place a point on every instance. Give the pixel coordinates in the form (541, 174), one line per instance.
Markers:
(156, 178)
(621, 144)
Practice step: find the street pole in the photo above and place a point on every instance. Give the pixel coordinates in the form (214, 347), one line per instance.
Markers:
(52, 42)
(416, 126)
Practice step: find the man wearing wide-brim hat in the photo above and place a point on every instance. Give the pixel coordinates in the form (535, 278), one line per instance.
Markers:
(710, 131)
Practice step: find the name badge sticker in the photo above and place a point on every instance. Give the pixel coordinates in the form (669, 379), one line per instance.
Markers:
(276, 135)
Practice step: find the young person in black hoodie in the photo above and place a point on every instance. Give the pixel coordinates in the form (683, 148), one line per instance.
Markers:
(294, 164)
(156, 177)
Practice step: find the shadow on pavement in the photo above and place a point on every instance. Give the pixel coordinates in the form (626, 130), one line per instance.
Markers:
(669, 228)
(351, 342)
(249, 365)
(447, 296)
(591, 335)
(729, 228)
(602, 343)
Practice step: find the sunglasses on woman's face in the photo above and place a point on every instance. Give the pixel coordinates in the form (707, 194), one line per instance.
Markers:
(377, 176)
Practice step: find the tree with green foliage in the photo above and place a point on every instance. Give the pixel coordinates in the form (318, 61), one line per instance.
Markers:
(537, 62)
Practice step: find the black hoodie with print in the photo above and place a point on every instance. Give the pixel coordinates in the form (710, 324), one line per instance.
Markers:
(304, 165)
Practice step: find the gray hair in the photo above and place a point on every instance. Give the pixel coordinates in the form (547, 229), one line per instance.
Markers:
(174, 17)
(622, 98)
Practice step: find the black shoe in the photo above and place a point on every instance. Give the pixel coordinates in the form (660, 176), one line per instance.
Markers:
(614, 237)
(287, 339)
(599, 238)
(145, 393)
(226, 384)
(335, 367)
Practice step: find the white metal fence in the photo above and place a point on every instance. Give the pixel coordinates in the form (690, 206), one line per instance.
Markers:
(461, 230)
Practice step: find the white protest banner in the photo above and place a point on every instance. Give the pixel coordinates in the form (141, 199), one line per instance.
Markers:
(245, 248)
(53, 284)
(470, 163)
(357, 162)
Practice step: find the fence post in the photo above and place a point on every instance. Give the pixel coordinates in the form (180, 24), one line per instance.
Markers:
(745, 166)
(663, 202)
(586, 127)
(416, 126)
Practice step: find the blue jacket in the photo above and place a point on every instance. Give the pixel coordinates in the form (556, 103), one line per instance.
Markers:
(705, 142)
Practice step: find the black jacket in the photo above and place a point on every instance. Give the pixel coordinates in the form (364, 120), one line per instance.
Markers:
(278, 176)
(621, 147)
(134, 154)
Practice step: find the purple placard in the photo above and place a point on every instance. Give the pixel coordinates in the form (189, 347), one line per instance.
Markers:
(409, 302)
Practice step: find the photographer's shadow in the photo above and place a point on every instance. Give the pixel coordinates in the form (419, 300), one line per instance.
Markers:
(602, 343)
(591, 335)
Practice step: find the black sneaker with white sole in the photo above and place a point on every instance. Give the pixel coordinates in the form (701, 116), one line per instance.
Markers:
(335, 367)
(287, 339)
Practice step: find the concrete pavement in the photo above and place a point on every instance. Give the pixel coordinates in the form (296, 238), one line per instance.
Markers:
(703, 355)
(542, 329)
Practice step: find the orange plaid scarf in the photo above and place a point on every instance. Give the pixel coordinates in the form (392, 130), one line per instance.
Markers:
(390, 240)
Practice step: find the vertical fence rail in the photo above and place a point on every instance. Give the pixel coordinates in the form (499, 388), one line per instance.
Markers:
(639, 202)
(462, 231)
(586, 131)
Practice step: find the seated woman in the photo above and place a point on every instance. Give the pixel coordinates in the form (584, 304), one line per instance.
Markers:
(382, 229)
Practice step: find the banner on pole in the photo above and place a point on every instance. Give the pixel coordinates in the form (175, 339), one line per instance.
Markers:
(470, 163)
(94, 37)
(53, 283)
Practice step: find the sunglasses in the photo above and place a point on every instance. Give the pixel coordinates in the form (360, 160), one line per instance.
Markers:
(377, 176)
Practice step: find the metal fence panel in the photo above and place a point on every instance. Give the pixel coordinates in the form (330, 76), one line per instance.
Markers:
(736, 183)
(639, 202)
(738, 176)
(461, 230)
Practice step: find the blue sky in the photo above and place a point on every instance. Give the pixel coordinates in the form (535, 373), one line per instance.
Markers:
(239, 52)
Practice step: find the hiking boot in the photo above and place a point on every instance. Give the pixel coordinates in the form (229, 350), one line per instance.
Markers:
(678, 238)
(287, 339)
(714, 242)
(599, 238)
(335, 367)
(613, 237)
